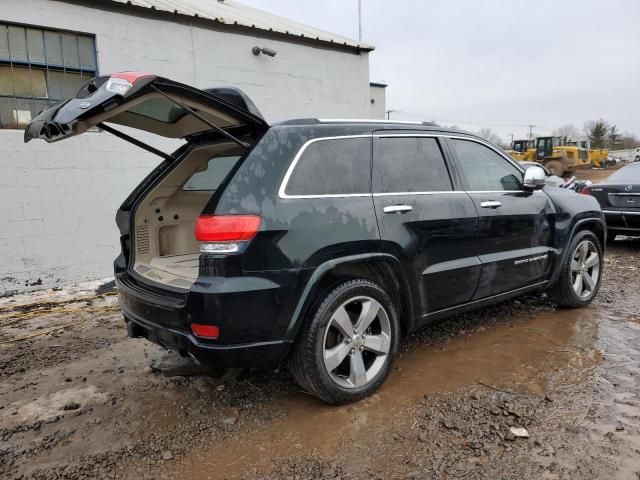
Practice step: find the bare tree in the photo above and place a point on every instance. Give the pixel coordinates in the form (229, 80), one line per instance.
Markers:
(492, 137)
(614, 136)
(568, 131)
(596, 131)
(628, 140)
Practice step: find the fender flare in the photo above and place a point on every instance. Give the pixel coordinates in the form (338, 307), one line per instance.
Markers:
(312, 285)
(565, 251)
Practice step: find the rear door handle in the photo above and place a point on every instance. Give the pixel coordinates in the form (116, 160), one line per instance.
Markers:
(491, 204)
(397, 209)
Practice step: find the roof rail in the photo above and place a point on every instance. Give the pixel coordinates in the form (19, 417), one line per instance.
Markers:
(370, 120)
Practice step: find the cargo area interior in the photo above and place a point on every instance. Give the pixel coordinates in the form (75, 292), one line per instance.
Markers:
(166, 250)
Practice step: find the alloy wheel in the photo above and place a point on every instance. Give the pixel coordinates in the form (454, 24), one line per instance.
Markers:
(357, 342)
(585, 269)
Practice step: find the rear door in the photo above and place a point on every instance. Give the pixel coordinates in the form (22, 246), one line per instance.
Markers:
(146, 102)
(424, 221)
(516, 225)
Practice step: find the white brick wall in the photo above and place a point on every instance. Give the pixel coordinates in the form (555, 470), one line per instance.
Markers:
(57, 207)
(58, 201)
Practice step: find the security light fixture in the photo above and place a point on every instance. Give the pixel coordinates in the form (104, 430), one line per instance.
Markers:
(267, 51)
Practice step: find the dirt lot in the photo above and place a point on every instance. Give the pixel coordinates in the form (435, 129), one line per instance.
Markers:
(80, 400)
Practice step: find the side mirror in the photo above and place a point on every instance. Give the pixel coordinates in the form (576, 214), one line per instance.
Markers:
(534, 177)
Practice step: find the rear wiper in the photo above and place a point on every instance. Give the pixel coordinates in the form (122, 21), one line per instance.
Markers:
(136, 142)
(202, 119)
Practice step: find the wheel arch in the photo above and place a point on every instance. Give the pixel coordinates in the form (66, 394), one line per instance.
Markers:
(593, 224)
(598, 227)
(381, 268)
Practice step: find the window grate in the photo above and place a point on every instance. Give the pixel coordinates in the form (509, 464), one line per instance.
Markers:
(40, 66)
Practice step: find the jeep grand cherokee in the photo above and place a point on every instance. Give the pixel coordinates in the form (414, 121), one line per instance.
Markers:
(321, 242)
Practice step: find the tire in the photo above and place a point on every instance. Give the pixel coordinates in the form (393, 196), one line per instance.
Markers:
(555, 167)
(611, 236)
(568, 291)
(322, 343)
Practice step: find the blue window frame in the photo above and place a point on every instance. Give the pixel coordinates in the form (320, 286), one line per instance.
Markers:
(38, 67)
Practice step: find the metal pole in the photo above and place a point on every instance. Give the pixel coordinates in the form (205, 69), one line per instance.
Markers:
(531, 131)
(359, 21)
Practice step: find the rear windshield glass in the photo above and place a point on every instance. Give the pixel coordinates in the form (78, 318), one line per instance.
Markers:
(333, 167)
(628, 174)
(159, 109)
(211, 178)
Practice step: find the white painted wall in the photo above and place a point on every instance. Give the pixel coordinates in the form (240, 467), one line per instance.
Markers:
(377, 103)
(58, 201)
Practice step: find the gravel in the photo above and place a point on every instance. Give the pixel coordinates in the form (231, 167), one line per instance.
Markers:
(87, 402)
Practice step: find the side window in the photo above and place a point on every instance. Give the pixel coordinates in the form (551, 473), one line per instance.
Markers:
(211, 178)
(409, 164)
(484, 169)
(332, 167)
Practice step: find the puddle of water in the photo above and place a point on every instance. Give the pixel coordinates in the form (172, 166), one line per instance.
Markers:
(620, 405)
(515, 357)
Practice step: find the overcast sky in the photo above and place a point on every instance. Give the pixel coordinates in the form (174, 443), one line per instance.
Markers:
(498, 64)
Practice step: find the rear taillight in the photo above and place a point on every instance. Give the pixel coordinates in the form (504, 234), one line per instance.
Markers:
(226, 233)
(586, 191)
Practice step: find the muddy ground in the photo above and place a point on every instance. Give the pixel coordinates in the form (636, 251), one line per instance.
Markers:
(78, 399)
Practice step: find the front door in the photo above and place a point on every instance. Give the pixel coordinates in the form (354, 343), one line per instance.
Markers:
(430, 227)
(515, 230)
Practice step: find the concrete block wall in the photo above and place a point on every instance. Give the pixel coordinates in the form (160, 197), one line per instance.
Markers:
(57, 208)
(58, 201)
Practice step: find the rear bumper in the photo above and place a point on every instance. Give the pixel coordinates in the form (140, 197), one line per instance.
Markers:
(249, 355)
(252, 314)
(623, 221)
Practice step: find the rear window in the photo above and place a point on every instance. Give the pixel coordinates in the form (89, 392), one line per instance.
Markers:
(628, 174)
(210, 179)
(159, 109)
(338, 166)
(409, 165)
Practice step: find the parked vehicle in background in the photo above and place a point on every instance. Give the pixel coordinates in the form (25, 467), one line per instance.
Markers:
(576, 185)
(523, 150)
(599, 157)
(557, 154)
(619, 197)
(321, 242)
(560, 156)
(628, 155)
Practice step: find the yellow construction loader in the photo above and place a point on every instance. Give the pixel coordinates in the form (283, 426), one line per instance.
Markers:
(560, 156)
(523, 150)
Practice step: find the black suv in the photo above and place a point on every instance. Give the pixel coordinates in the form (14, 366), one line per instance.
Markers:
(321, 241)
